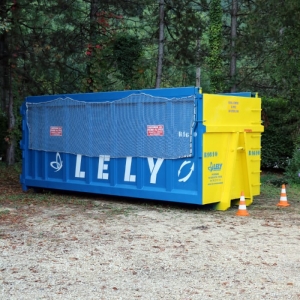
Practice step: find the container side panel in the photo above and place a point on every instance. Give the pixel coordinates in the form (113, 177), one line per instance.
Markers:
(215, 147)
(247, 176)
(254, 154)
(224, 111)
(173, 178)
(233, 131)
(37, 168)
(150, 178)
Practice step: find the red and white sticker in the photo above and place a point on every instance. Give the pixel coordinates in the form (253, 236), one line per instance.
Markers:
(55, 131)
(155, 130)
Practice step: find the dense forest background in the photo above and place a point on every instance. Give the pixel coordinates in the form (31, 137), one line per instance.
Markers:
(72, 46)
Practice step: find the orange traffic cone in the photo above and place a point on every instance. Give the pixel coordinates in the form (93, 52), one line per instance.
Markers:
(242, 211)
(283, 198)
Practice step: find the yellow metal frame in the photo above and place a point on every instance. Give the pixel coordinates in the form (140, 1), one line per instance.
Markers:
(231, 145)
(232, 151)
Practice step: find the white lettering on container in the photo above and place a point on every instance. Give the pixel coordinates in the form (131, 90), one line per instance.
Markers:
(78, 173)
(127, 175)
(103, 167)
(154, 168)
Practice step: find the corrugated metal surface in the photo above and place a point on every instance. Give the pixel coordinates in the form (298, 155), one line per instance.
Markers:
(224, 160)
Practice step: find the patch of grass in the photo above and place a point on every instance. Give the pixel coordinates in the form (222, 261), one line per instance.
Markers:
(4, 212)
(273, 178)
(269, 191)
(270, 194)
(293, 191)
(271, 184)
(119, 210)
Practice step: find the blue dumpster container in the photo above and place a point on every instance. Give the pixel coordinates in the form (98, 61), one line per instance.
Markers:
(172, 144)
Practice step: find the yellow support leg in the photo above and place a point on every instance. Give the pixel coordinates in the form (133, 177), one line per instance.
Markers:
(231, 154)
(247, 178)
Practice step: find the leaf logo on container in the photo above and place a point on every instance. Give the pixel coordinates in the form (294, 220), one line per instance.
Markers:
(57, 165)
(214, 167)
(186, 178)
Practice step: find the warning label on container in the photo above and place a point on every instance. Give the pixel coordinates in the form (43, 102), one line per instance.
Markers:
(55, 131)
(155, 130)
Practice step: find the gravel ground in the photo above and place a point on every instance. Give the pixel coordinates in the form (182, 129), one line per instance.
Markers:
(114, 250)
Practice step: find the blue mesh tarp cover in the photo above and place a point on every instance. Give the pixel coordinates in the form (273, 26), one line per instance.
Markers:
(139, 125)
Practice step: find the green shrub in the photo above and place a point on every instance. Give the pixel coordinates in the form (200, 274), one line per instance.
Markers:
(278, 137)
(293, 169)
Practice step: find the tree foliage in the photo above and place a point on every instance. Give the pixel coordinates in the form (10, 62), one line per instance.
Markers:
(277, 141)
(127, 51)
(70, 46)
(273, 41)
(216, 46)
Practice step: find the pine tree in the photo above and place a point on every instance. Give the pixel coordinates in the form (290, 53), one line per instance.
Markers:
(216, 45)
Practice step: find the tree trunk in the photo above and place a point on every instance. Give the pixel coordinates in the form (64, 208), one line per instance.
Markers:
(6, 97)
(160, 43)
(233, 39)
(3, 59)
(198, 69)
(10, 151)
(92, 40)
(198, 77)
